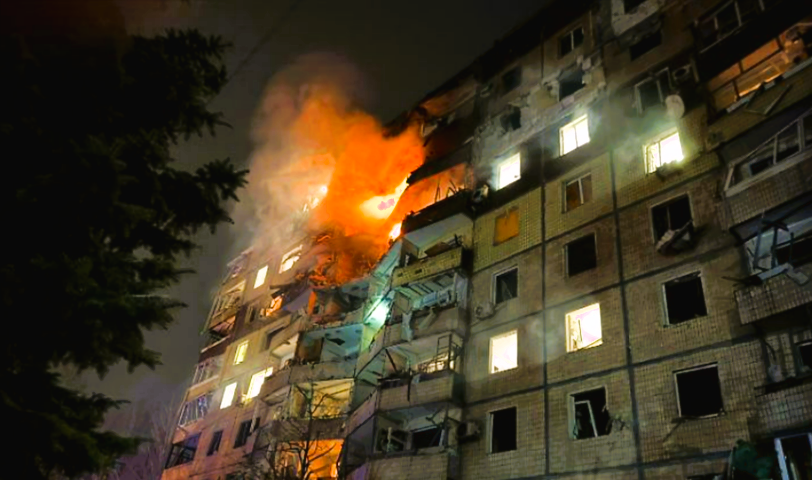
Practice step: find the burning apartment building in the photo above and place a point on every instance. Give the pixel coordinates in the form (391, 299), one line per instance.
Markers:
(584, 256)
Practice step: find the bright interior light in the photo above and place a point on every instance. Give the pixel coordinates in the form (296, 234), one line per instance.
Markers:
(256, 382)
(239, 357)
(261, 277)
(381, 206)
(510, 170)
(584, 328)
(504, 352)
(574, 134)
(670, 149)
(228, 395)
(395, 232)
(378, 315)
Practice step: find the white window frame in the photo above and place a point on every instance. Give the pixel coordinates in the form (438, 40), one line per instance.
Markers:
(261, 274)
(578, 180)
(571, 404)
(286, 259)
(570, 35)
(240, 353)
(779, 450)
(569, 334)
(495, 284)
(658, 140)
(512, 333)
(513, 161)
(694, 369)
(229, 392)
(574, 126)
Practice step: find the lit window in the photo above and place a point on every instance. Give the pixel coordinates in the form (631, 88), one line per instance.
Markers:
(228, 395)
(504, 352)
(242, 349)
(574, 135)
(290, 259)
(584, 328)
(261, 277)
(256, 382)
(510, 170)
(666, 150)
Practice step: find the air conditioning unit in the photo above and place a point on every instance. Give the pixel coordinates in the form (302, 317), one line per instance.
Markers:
(467, 431)
(682, 74)
(484, 310)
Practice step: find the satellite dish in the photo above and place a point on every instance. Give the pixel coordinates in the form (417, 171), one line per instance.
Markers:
(674, 106)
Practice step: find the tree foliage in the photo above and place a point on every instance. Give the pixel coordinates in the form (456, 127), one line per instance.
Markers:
(97, 219)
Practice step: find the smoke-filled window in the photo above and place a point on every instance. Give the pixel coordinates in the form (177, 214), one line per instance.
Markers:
(574, 134)
(504, 352)
(584, 328)
(665, 150)
(510, 170)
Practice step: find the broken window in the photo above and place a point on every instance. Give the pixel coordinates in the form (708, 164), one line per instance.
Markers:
(510, 170)
(794, 456)
(214, 445)
(239, 355)
(570, 41)
(183, 451)
(506, 226)
(726, 20)
(266, 344)
(590, 416)
(503, 430)
(570, 83)
(578, 192)
(229, 299)
(207, 369)
(684, 299)
(584, 328)
(194, 410)
(653, 90)
(506, 285)
(645, 44)
(671, 216)
(290, 258)
(573, 135)
(629, 5)
(228, 395)
(261, 273)
(581, 255)
(511, 79)
(256, 382)
(427, 437)
(663, 151)
(242, 434)
(504, 352)
(805, 357)
(699, 393)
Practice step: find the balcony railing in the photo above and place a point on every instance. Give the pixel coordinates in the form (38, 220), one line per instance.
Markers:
(783, 407)
(429, 388)
(777, 294)
(317, 372)
(293, 429)
(427, 267)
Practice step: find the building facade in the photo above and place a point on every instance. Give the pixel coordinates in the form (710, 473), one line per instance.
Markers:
(617, 286)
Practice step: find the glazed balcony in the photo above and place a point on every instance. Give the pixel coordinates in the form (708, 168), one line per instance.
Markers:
(428, 267)
(774, 295)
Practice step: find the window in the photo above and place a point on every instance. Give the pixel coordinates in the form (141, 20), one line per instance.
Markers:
(727, 19)
(794, 456)
(229, 299)
(577, 192)
(510, 170)
(256, 382)
(589, 414)
(261, 276)
(670, 216)
(645, 44)
(242, 434)
(584, 328)
(570, 83)
(504, 352)
(629, 5)
(653, 90)
(503, 430)
(805, 357)
(506, 226)
(511, 79)
(207, 369)
(289, 259)
(570, 41)
(684, 299)
(214, 446)
(194, 410)
(573, 135)
(266, 343)
(426, 438)
(506, 286)
(183, 451)
(663, 151)
(698, 392)
(239, 355)
(581, 255)
(228, 395)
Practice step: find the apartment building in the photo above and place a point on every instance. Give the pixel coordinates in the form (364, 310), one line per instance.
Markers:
(614, 284)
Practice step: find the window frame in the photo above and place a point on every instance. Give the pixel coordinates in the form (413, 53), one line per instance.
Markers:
(579, 180)
(265, 373)
(491, 429)
(494, 284)
(799, 364)
(676, 373)
(508, 161)
(567, 328)
(232, 387)
(573, 125)
(713, 16)
(242, 434)
(262, 275)
(513, 333)
(567, 273)
(214, 443)
(571, 410)
(653, 77)
(570, 35)
(658, 140)
(240, 353)
(666, 203)
(666, 315)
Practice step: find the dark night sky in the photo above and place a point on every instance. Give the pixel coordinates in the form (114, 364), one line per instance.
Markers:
(403, 49)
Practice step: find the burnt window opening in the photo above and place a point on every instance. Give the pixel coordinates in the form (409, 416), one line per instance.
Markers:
(214, 445)
(570, 41)
(242, 434)
(581, 255)
(511, 79)
(797, 252)
(699, 393)
(590, 414)
(427, 437)
(578, 192)
(570, 83)
(685, 299)
(266, 343)
(183, 451)
(645, 44)
(805, 357)
(506, 285)
(652, 91)
(672, 215)
(503, 430)
(629, 5)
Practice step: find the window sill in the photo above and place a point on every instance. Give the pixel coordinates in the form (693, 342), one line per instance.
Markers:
(204, 382)
(678, 420)
(503, 371)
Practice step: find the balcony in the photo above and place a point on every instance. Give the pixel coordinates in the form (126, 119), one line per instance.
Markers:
(363, 412)
(783, 406)
(278, 381)
(318, 372)
(430, 465)
(294, 429)
(427, 267)
(442, 386)
(776, 294)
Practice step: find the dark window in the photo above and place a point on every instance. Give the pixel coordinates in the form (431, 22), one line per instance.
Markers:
(511, 79)
(646, 44)
(242, 434)
(672, 215)
(269, 337)
(581, 255)
(503, 430)
(698, 392)
(591, 415)
(805, 357)
(429, 437)
(183, 452)
(685, 299)
(652, 91)
(507, 285)
(570, 84)
(629, 5)
(572, 40)
(798, 252)
(578, 192)
(215, 443)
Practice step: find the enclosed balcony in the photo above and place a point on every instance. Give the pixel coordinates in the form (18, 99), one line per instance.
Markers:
(783, 406)
(427, 267)
(785, 291)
